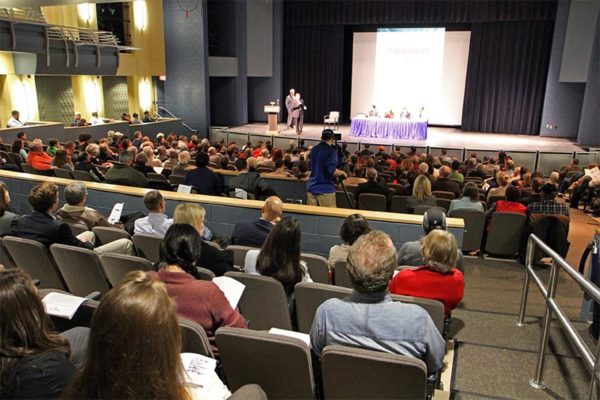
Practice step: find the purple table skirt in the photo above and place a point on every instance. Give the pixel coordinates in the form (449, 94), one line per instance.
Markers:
(388, 128)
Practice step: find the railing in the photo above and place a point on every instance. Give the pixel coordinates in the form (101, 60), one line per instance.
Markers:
(23, 14)
(553, 309)
(170, 114)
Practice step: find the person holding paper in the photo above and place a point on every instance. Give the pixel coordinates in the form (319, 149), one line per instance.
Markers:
(134, 349)
(75, 211)
(35, 363)
(197, 300)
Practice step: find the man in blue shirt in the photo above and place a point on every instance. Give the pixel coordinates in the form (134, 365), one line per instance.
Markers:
(323, 170)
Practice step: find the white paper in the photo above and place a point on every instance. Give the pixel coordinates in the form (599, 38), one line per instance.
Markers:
(231, 288)
(62, 304)
(199, 370)
(241, 194)
(594, 172)
(115, 214)
(184, 189)
(298, 335)
(158, 170)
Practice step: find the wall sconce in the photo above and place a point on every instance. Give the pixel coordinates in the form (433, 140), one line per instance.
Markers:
(140, 14)
(85, 12)
(145, 94)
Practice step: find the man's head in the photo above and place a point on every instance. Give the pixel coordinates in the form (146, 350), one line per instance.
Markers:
(135, 115)
(147, 114)
(77, 116)
(444, 172)
(434, 219)
(15, 114)
(536, 184)
(202, 160)
(327, 135)
(76, 194)
(36, 147)
(125, 157)
(44, 197)
(371, 174)
(549, 191)
(575, 161)
(22, 136)
(252, 163)
(184, 157)
(512, 193)
(95, 114)
(272, 209)
(154, 201)
(371, 262)
(241, 164)
(292, 92)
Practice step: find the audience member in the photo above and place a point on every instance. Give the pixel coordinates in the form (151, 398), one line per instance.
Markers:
(6, 216)
(455, 175)
(183, 164)
(279, 257)
(254, 233)
(510, 204)
(421, 194)
(37, 158)
(203, 179)
(211, 257)
(548, 205)
(437, 278)
(18, 148)
(250, 180)
(197, 300)
(53, 147)
(84, 164)
(354, 226)
(75, 211)
(372, 186)
(134, 348)
(500, 191)
(60, 160)
(444, 183)
(469, 199)
(172, 161)
(392, 327)
(157, 222)
(535, 195)
(124, 173)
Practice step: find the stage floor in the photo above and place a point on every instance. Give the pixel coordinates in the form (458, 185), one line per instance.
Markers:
(436, 137)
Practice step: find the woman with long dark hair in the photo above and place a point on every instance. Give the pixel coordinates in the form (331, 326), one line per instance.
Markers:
(279, 256)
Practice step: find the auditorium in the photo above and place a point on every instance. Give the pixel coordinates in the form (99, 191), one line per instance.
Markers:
(299, 199)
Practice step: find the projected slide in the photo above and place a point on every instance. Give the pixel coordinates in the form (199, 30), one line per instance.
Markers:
(409, 70)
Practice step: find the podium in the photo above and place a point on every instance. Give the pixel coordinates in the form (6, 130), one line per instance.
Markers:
(272, 118)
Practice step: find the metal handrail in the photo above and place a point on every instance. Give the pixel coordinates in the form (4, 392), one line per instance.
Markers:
(163, 109)
(553, 308)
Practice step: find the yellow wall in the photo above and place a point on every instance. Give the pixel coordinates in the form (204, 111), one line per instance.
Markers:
(17, 92)
(87, 95)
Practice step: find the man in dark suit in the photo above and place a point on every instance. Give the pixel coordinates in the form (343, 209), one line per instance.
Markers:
(372, 186)
(289, 104)
(443, 183)
(203, 179)
(254, 233)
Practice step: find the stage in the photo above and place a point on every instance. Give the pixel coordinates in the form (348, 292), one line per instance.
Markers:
(436, 137)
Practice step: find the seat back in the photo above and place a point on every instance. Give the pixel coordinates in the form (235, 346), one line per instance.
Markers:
(80, 268)
(194, 339)
(441, 194)
(281, 365)
(342, 201)
(206, 274)
(474, 227)
(63, 173)
(372, 202)
(494, 199)
(177, 179)
(77, 228)
(505, 233)
(340, 274)
(351, 373)
(334, 115)
(399, 204)
(36, 260)
(239, 254)
(157, 177)
(263, 303)
(82, 317)
(318, 268)
(5, 257)
(248, 392)
(123, 182)
(148, 246)
(81, 176)
(309, 296)
(16, 159)
(107, 234)
(443, 203)
(117, 266)
(421, 209)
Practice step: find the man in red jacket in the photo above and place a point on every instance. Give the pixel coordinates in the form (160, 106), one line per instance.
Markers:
(37, 158)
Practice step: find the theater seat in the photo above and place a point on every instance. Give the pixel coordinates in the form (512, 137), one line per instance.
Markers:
(340, 274)
(474, 227)
(81, 269)
(318, 268)
(107, 234)
(194, 339)
(148, 246)
(504, 236)
(239, 254)
(249, 392)
(372, 202)
(117, 266)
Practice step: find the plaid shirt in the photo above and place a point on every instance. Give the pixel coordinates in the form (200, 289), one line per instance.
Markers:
(548, 207)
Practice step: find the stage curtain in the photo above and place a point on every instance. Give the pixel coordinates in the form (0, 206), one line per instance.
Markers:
(506, 76)
(314, 66)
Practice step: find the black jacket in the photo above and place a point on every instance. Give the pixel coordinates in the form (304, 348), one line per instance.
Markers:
(205, 181)
(218, 261)
(251, 233)
(45, 229)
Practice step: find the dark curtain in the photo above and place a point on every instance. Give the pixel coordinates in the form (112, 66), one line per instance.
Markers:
(506, 76)
(314, 66)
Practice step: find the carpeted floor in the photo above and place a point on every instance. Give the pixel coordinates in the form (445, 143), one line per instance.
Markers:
(494, 357)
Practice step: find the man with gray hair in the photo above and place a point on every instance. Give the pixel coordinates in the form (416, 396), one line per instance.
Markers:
(369, 318)
(75, 211)
(124, 174)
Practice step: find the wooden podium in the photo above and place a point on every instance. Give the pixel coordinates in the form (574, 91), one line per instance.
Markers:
(273, 118)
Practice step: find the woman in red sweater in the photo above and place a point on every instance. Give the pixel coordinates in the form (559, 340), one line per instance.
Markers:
(437, 279)
(510, 205)
(196, 300)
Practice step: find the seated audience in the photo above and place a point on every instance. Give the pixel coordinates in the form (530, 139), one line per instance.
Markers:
(197, 300)
(535, 195)
(157, 222)
(75, 211)
(18, 148)
(548, 205)
(84, 164)
(60, 160)
(369, 318)
(53, 147)
(437, 279)
(455, 175)
(357, 177)
(37, 158)
(203, 179)
(211, 257)
(410, 252)
(42, 227)
(134, 348)
(124, 173)
(354, 226)
(444, 183)
(249, 180)
(183, 164)
(279, 257)
(254, 233)
(421, 194)
(372, 186)
(500, 191)
(34, 362)
(141, 164)
(511, 204)
(6, 217)
(172, 161)
(468, 201)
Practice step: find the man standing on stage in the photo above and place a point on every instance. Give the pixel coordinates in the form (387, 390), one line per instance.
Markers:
(323, 166)
(289, 104)
(301, 107)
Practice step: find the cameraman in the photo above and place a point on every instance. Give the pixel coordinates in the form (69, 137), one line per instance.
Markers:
(323, 170)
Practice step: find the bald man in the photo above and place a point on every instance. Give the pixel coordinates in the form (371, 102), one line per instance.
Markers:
(254, 233)
(443, 182)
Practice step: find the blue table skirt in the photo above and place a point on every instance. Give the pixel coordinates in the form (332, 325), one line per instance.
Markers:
(386, 128)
